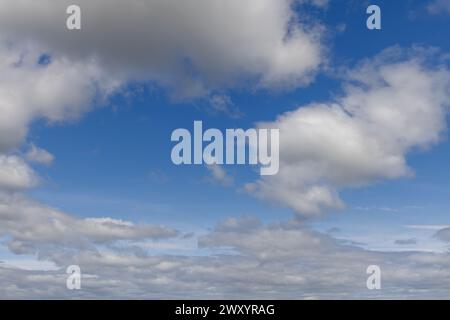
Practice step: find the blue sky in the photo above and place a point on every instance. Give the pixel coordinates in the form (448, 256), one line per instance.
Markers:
(114, 161)
(118, 159)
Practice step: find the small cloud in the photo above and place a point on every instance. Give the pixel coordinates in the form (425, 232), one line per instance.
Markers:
(341, 28)
(320, 3)
(188, 235)
(385, 209)
(413, 207)
(406, 242)
(426, 226)
(349, 242)
(223, 104)
(218, 174)
(158, 176)
(38, 155)
(240, 224)
(439, 6)
(333, 230)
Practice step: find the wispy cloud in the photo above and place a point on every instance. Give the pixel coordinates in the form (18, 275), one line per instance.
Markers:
(426, 226)
(439, 6)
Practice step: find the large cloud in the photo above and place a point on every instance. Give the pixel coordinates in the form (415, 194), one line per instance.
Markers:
(33, 228)
(58, 90)
(33, 87)
(391, 105)
(246, 260)
(189, 46)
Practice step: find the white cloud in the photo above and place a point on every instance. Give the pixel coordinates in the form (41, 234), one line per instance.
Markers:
(426, 227)
(59, 91)
(15, 174)
(391, 105)
(36, 154)
(218, 174)
(222, 104)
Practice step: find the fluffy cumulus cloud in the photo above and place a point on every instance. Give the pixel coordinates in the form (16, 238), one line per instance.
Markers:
(391, 105)
(190, 46)
(59, 90)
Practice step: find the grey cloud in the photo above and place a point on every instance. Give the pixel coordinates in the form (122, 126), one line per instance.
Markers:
(333, 230)
(60, 91)
(268, 261)
(190, 47)
(238, 224)
(443, 235)
(35, 228)
(406, 242)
